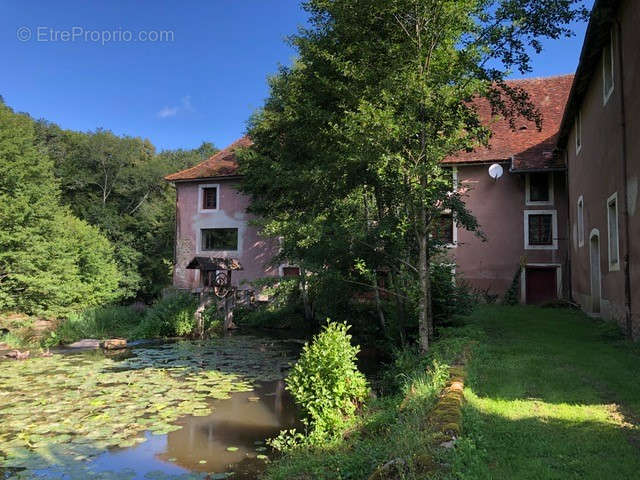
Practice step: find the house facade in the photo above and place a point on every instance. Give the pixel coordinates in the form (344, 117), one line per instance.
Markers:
(212, 222)
(523, 213)
(558, 205)
(600, 140)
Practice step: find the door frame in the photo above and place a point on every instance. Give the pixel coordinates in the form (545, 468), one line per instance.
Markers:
(595, 233)
(523, 279)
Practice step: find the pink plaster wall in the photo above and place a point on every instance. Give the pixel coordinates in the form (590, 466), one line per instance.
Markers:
(254, 252)
(597, 171)
(499, 208)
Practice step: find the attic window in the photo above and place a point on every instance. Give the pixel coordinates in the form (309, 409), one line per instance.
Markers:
(523, 127)
(539, 188)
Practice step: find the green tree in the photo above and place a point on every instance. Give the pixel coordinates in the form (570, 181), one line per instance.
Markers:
(50, 262)
(382, 92)
(116, 183)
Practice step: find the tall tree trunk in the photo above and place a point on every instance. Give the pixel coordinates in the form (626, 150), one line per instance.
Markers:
(425, 316)
(308, 311)
(400, 312)
(381, 319)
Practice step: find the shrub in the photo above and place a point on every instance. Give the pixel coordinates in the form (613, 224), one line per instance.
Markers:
(170, 316)
(100, 323)
(326, 383)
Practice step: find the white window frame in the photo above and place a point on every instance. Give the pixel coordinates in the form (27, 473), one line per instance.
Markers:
(282, 266)
(578, 126)
(607, 94)
(614, 266)
(554, 227)
(580, 220)
(528, 200)
(201, 188)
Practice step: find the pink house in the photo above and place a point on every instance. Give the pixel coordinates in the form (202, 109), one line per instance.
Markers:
(212, 221)
(523, 212)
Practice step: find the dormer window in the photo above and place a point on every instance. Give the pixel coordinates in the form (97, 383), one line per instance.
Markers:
(539, 188)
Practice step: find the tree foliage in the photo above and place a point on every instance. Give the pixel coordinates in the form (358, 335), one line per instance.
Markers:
(116, 183)
(347, 164)
(50, 261)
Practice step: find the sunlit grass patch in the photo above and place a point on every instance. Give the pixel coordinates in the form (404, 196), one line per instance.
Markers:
(551, 393)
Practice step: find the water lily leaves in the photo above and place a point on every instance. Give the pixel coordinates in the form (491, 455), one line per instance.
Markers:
(262, 457)
(232, 449)
(59, 413)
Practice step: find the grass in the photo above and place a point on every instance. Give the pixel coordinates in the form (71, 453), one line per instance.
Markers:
(550, 394)
(99, 323)
(391, 427)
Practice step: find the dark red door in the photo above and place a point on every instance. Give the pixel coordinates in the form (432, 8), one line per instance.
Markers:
(541, 284)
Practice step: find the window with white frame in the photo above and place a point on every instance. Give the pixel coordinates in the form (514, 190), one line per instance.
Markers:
(539, 188)
(578, 132)
(607, 68)
(612, 222)
(208, 197)
(580, 217)
(540, 230)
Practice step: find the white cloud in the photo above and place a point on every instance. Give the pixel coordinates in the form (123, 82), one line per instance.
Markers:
(185, 106)
(167, 112)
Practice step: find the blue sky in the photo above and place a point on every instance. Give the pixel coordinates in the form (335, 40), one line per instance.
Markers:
(198, 83)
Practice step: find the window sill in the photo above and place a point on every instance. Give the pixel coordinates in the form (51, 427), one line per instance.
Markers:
(541, 247)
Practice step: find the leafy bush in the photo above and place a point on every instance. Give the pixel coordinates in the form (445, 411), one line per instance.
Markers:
(100, 323)
(172, 315)
(326, 384)
(451, 296)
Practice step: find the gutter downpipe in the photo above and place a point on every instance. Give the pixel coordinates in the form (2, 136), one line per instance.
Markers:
(625, 210)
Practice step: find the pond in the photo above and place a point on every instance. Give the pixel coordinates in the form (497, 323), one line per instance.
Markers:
(184, 410)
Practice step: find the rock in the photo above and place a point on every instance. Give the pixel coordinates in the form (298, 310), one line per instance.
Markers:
(114, 344)
(391, 470)
(18, 355)
(85, 343)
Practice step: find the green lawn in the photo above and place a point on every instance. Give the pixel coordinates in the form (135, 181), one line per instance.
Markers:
(550, 394)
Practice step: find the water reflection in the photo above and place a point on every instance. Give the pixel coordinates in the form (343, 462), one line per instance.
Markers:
(242, 422)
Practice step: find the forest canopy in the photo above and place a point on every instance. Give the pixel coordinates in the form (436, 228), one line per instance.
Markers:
(87, 218)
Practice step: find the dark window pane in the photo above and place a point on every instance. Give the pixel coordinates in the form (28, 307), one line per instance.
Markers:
(220, 239)
(290, 272)
(539, 187)
(540, 230)
(444, 229)
(209, 198)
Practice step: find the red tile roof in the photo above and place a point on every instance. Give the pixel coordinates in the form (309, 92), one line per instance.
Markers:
(222, 164)
(531, 149)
